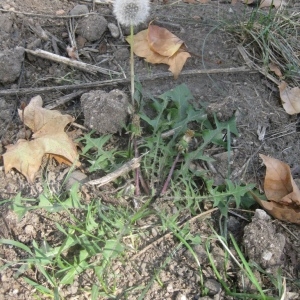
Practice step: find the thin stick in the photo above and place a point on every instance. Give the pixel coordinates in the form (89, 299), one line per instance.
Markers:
(129, 166)
(45, 15)
(70, 62)
(64, 99)
(170, 233)
(114, 82)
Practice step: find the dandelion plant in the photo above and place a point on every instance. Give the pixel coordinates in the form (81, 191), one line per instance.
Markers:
(131, 13)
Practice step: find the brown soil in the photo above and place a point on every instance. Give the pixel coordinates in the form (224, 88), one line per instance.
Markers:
(248, 95)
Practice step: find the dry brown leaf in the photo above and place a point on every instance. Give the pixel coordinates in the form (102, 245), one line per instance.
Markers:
(43, 121)
(290, 98)
(279, 184)
(275, 68)
(269, 3)
(162, 41)
(190, 1)
(281, 191)
(279, 211)
(142, 48)
(49, 138)
(177, 61)
(24, 156)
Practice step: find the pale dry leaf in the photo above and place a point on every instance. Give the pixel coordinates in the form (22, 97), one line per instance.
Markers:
(269, 3)
(141, 48)
(177, 61)
(281, 191)
(275, 68)
(281, 212)
(290, 98)
(162, 41)
(43, 121)
(279, 186)
(59, 144)
(49, 138)
(24, 156)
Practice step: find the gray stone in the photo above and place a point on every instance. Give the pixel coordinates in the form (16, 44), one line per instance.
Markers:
(105, 112)
(113, 29)
(79, 9)
(6, 23)
(10, 64)
(92, 27)
(261, 214)
(263, 244)
(213, 286)
(181, 296)
(122, 54)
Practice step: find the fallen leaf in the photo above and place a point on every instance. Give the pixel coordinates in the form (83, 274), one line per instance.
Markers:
(24, 156)
(279, 211)
(176, 62)
(190, 1)
(269, 3)
(142, 48)
(48, 138)
(279, 184)
(72, 53)
(43, 121)
(281, 191)
(162, 41)
(274, 68)
(290, 98)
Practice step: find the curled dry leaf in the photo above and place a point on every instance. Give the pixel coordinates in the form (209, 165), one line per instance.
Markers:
(41, 120)
(266, 3)
(49, 138)
(160, 47)
(274, 68)
(162, 41)
(269, 3)
(281, 191)
(279, 211)
(290, 98)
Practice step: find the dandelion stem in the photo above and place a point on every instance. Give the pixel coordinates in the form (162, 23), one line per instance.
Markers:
(132, 65)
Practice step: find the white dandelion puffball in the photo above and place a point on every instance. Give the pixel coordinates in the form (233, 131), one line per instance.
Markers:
(131, 12)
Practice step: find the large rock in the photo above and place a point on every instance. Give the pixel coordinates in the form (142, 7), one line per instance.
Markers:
(92, 27)
(262, 243)
(105, 112)
(10, 64)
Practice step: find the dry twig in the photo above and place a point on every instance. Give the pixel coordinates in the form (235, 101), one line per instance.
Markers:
(70, 62)
(114, 82)
(129, 166)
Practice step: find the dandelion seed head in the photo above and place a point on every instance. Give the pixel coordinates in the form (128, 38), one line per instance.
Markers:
(131, 12)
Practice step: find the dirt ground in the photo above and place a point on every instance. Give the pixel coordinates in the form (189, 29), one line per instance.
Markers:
(246, 94)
